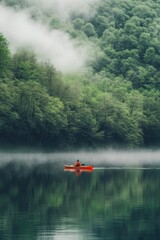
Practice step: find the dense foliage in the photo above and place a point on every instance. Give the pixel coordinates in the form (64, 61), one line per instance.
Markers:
(116, 101)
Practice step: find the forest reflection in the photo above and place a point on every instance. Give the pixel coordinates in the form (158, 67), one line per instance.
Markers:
(42, 200)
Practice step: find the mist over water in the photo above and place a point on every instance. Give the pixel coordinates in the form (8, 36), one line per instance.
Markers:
(99, 159)
(39, 200)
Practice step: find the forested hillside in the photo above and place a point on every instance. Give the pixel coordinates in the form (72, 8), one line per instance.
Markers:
(115, 99)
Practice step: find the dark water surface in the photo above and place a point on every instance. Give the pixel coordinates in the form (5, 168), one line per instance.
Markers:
(38, 200)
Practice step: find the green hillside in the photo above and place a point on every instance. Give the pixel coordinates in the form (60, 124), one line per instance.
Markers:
(115, 101)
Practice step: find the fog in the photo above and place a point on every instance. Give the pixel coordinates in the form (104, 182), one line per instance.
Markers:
(64, 8)
(99, 159)
(55, 46)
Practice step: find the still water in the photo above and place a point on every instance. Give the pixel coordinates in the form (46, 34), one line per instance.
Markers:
(120, 199)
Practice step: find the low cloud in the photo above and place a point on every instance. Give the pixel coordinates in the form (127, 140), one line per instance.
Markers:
(55, 46)
(64, 8)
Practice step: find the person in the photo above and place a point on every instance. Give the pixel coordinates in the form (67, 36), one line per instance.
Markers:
(77, 163)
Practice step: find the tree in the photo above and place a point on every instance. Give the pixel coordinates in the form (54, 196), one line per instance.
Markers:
(120, 122)
(78, 23)
(120, 17)
(150, 56)
(151, 127)
(4, 56)
(40, 114)
(8, 114)
(25, 66)
(144, 43)
(143, 11)
(89, 29)
(101, 23)
(83, 128)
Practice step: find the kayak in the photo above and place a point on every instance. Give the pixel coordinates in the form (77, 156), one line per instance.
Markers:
(72, 167)
(78, 170)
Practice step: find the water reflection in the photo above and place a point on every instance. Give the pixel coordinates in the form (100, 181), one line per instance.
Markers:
(41, 201)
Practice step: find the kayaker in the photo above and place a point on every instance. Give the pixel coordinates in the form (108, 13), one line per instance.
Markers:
(77, 163)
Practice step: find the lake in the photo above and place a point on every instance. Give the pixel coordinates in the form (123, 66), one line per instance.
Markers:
(120, 199)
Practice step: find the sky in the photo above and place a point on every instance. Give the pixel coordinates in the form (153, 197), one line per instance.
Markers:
(56, 46)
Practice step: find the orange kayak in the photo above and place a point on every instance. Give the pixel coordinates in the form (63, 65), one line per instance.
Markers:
(72, 167)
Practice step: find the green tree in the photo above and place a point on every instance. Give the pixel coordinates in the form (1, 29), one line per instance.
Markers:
(40, 114)
(120, 17)
(150, 56)
(101, 23)
(144, 43)
(25, 66)
(8, 114)
(120, 123)
(4, 56)
(143, 11)
(89, 29)
(50, 78)
(78, 23)
(151, 126)
(83, 128)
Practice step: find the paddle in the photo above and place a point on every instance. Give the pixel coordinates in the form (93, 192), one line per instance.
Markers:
(82, 164)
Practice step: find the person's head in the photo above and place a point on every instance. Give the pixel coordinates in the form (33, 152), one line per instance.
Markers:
(77, 160)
